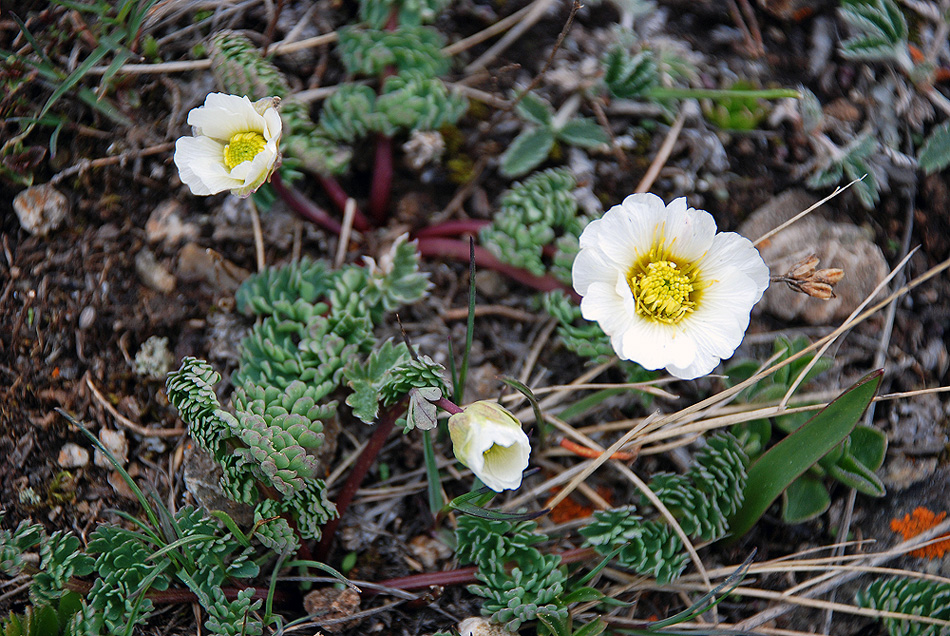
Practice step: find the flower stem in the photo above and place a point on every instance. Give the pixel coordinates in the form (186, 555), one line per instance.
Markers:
(386, 422)
(459, 250)
(381, 188)
(447, 405)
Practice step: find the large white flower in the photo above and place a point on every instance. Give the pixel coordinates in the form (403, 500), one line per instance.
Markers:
(235, 146)
(490, 441)
(668, 290)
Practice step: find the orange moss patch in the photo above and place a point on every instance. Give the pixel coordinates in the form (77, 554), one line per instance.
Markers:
(917, 522)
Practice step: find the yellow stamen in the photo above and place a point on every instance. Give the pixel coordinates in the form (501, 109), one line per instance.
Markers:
(662, 291)
(243, 147)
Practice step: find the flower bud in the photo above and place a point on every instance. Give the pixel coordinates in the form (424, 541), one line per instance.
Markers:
(489, 440)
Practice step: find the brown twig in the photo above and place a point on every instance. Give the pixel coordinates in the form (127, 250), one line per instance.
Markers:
(126, 422)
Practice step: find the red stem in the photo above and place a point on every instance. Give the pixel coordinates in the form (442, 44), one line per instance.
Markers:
(452, 228)
(304, 206)
(381, 188)
(459, 250)
(339, 197)
(461, 576)
(448, 406)
(386, 422)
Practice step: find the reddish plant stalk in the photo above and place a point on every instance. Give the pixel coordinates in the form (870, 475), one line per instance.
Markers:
(386, 422)
(339, 197)
(382, 185)
(448, 406)
(452, 228)
(304, 206)
(461, 576)
(459, 250)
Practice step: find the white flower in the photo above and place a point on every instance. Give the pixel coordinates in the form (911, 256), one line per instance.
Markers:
(235, 146)
(668, 290)
(489, 440)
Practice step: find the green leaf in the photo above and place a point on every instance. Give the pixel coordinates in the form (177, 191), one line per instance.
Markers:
(804, 499)
(935, 154)
(535, 110)
(853, 473)
(772, 473)
(593, 628)
(527, 152)
(583, 132)
(868, 446)
(583, 595)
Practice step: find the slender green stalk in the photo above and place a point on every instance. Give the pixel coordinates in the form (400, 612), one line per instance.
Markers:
(721, 93)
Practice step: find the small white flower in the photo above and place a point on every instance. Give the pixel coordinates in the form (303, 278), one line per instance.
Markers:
(235, 146)
(489, 440)
(668, 290)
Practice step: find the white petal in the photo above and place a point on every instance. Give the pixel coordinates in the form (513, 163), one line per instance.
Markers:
(223, 116)
(200, 162)
(272, 124)
(732, 250)
(603, 304)
(626, 231)
(688, 232)
(591, 267)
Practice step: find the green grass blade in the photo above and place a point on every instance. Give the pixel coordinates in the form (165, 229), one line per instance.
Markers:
(75, 77)
(432, 475)
(786, 461)
(31, 40)
(143, 500)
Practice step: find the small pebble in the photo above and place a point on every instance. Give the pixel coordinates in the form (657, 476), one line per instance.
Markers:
(428, 551)
(41, 209)
(478, 626)
(72, 456)
(116, 443)
(87, 317)
(152, 273)
(165, 225)
(329, 603)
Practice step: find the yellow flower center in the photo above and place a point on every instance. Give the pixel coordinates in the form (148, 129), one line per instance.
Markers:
(663, 292)
(243, 147)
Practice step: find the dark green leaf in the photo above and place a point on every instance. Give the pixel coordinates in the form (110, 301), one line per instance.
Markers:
(527, 151)
(804, 499)
(772, 473)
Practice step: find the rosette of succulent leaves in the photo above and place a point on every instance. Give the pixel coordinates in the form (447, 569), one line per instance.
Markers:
(312, 347)
(520, 583)
(410, 97)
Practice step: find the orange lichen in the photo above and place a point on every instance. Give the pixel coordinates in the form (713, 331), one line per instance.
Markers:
(920, 520)
(569, 509)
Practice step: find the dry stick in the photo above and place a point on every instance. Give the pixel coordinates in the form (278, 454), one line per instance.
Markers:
(662, 154)
(872, 560)
(536, 10)
(349, 212)
(535, 352)
(126, 422)
(461, 313)
(575, 6)
(85, 164)
(258, 234)
(804, 212)
(498, 27)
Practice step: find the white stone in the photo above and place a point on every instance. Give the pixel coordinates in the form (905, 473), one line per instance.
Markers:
(72, 456)
(41, 209)
(116, 443)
